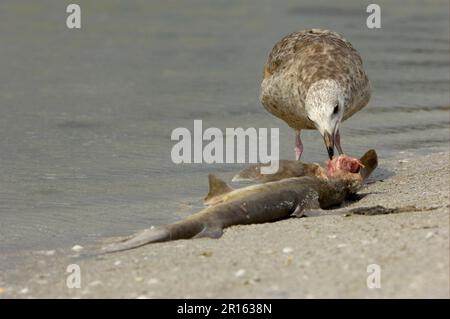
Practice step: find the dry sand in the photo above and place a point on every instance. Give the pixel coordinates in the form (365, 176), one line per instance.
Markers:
(324, 255)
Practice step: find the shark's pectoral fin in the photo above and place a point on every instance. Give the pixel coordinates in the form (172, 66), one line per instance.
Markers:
(310, 201)
(299, 211)
(217, 188)
(211, 232)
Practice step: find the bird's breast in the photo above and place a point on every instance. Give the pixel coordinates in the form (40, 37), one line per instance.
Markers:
(282, 96)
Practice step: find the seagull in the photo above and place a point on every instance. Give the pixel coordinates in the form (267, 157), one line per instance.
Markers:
(314, 79)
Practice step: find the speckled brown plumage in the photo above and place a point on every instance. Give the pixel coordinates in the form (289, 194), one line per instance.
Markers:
(303, 58)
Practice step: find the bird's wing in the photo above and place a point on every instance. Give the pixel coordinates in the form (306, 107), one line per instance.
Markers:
(359, 101)
(297, 42)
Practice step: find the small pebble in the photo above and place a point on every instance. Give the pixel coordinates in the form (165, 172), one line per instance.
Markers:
(287, 250)
(117, 263)
(95, 283)
(252, 281)
(240, 273)
(152, 281)
(49, 253)
(24, 291)
(341, 245)
(403, 161)
(77, 248)
(46, 252)
(429, 235)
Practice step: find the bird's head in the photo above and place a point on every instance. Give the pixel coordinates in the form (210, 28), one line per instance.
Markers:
(325, 108)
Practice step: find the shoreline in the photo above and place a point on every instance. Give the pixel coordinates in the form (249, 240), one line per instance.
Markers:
(321, 256)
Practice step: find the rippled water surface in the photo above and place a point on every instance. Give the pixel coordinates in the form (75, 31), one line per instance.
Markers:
(86, 116)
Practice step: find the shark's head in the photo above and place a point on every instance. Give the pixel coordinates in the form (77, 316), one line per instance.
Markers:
(325, 108)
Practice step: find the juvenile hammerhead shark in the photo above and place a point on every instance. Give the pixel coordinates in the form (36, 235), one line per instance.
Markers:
(311, 187)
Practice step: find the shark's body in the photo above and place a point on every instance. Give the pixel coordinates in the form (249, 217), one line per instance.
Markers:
(259, 203)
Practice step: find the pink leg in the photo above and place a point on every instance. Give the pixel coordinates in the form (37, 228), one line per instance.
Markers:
(298, 146)
(337, 141)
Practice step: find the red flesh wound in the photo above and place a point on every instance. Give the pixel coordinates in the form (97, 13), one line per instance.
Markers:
(343, 164)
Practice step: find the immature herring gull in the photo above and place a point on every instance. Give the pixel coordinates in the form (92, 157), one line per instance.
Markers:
(314, 79)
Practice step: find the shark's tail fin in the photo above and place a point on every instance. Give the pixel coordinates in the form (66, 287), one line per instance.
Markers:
(184, 229)
(151, 235)
(369, 162)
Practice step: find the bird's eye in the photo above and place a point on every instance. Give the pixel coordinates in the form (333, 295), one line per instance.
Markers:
(336, 109)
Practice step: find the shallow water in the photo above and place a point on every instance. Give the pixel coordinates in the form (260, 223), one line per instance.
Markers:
(86, 116)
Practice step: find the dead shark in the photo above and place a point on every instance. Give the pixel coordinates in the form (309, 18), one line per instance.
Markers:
(295, 168)
(286, 169)
(261, 203)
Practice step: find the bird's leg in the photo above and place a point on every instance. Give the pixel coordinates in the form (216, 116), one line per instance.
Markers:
(298, 145)
(337, 142)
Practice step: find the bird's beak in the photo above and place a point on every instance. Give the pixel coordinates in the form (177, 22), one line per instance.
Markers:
(329, 143)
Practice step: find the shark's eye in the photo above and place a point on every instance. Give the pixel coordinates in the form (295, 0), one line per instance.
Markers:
(336, 109)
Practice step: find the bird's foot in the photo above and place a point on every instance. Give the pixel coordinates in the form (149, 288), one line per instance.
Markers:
(298, 146)
(298, 153)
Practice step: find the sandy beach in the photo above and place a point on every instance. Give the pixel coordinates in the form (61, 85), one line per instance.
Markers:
(86, 119)
(320, 256)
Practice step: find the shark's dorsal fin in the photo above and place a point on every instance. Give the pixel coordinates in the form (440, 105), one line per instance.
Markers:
(217, 188)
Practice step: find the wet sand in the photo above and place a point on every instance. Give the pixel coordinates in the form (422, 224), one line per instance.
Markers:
(324, 255)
